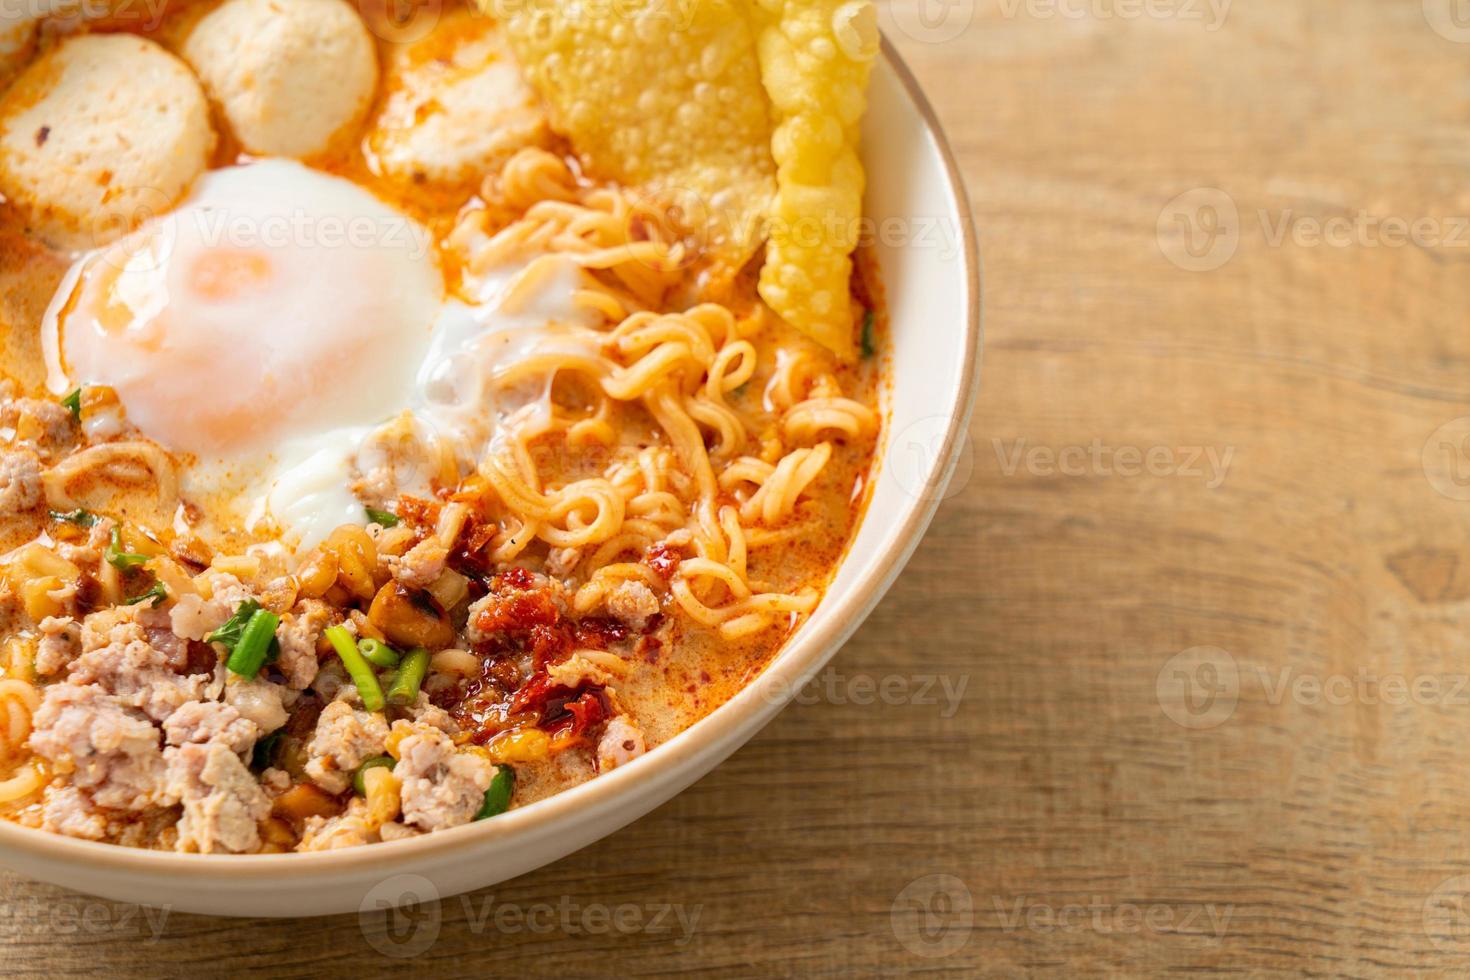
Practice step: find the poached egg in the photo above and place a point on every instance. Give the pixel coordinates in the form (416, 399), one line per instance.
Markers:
(283, 328)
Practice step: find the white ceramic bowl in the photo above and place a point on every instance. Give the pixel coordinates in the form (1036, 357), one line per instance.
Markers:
(930, 264)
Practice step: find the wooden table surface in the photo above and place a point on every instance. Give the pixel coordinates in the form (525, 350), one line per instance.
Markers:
(1178, 680)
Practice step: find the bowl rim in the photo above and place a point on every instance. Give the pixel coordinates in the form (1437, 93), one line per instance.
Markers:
(802, 657)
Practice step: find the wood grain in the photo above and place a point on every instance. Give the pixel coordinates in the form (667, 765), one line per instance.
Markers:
(1090, 831)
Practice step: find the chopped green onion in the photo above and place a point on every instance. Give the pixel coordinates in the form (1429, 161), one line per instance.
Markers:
(868, 348)
(383, 517)
(358, 669)
(229, 633)
(264, 755)
(119, 559)
(405, 689)
(158, 592)
(73, 404)
(254, 647)
(79, 517)
(377, 653)
(497, 797)
(376, 762)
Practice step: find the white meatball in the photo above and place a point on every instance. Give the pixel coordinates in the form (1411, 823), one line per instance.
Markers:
(99, 134)
(290, 76)
(456, 106)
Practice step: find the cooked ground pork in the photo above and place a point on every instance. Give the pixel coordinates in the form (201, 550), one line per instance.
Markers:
(442, 786)
(61, 643)
(68, 811)
(112, 748)
(345, 737)
(432, 715)
(330, 680)
(348, 829)
(213, 722)
(46, 425)
(195, 617)
(65, 596)
(577, 670)
(562, 562)
(20, 482)
(88, 554)
(622, 742)
(223, 803)
(632, 604)
(512, 607)
(297, 635)
(423, 563)
(151, 733)
(396, 831)
(275, 781)
(131, 651)
(258, 700)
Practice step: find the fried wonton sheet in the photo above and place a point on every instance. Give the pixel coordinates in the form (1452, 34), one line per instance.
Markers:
(660, 95)
(743, 113)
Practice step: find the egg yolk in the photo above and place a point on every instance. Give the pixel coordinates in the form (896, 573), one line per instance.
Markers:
(226, 274)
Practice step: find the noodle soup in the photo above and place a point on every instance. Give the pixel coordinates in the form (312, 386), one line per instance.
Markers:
(371, 489)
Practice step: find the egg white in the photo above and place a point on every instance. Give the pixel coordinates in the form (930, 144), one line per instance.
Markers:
(283, 327)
